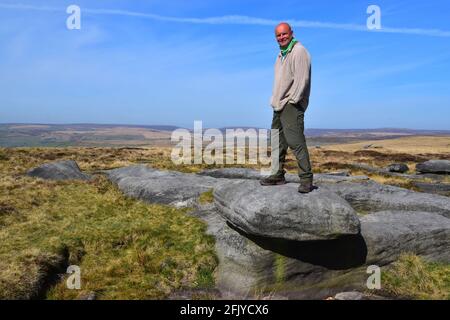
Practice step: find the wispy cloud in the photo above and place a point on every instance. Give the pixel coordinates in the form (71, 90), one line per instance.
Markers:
(238, 19)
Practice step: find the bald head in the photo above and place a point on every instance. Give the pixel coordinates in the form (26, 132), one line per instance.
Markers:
(283, 26)
(283, 34)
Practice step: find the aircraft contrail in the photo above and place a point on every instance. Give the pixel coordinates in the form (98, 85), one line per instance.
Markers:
(237, 20)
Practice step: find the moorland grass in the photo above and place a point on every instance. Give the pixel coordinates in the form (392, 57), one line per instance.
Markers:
(414, 278)
(126, 249)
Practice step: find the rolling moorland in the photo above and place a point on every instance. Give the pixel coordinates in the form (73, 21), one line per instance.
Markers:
(128, 249)
(98, 135)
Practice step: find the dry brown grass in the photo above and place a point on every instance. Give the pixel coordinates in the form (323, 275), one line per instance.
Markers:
(408, 145)
(126, 249)
(412, 277)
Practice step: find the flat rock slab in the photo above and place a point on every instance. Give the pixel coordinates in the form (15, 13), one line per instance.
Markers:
(369, 196)
(434, 166)
(386, 172)
(281, 212)
(355, 295)
(389, 233)
(60, 170)
(436, 188)
(157, 186)
(252, 174)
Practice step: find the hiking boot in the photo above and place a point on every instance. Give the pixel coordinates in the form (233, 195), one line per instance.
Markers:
(306, 186)
(273, 181)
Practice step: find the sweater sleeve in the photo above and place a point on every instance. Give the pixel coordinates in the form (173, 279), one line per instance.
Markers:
(301, 67)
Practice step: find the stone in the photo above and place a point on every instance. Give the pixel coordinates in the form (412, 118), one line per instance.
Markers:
(369, 196)
(434, 166)
(388, 234)
(270, 244)
(88, 296)
(281, 212)
(60, 170)
(319, 269)
(355, 295)
(387, 173)
(343, 173)
(251, 174)
(398, 167)
(158, 186)
(436, 188)
(352, 295)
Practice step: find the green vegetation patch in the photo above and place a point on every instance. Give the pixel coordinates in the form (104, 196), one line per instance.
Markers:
(126, 249)
(206, 197)
(412, 277)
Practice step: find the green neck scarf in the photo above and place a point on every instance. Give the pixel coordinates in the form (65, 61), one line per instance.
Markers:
(284, 52)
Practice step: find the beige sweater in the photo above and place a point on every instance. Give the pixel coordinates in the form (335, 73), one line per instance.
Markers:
(292, 79)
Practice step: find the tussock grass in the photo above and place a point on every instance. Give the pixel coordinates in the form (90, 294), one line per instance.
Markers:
(412, 277)
(206, 197)
(126, 249)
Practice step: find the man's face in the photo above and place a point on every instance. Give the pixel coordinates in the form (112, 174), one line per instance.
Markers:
(284, 35)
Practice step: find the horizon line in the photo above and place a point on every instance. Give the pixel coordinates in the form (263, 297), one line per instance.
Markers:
(223, 127)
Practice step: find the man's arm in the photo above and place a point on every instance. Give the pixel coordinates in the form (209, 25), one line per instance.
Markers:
(301, 68)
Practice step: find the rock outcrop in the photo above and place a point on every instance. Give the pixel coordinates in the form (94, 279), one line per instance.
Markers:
(317, 269)
(369, 196)
(355, 295)
(434, 166)
(279, 212)
(389, 233)
(272, 239)
(165, 187)
(397, 167)
(251, 174)
(436, 188)
(60, 170)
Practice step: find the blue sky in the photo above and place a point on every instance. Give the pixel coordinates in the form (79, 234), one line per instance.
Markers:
(172, 62)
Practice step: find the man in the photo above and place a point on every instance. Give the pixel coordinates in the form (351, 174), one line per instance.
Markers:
(289, 100)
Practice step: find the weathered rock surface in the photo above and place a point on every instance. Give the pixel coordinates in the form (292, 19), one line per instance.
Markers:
(280, 212)
(369, 196)
(387, 173)
(243, 173)
(166, 187)
(434, 166)
(60, 170)
(338, 177)
(355, 295)
(317, 269)
(398, 167)
(389, 233)
(436, 188)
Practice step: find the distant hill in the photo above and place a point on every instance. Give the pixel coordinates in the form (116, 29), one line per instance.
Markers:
(381, 131)
(61, 135)
(92, 135)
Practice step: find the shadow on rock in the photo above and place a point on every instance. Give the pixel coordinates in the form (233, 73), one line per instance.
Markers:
(347, 252)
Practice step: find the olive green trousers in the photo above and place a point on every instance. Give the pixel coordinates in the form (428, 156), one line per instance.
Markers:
(290, 124)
